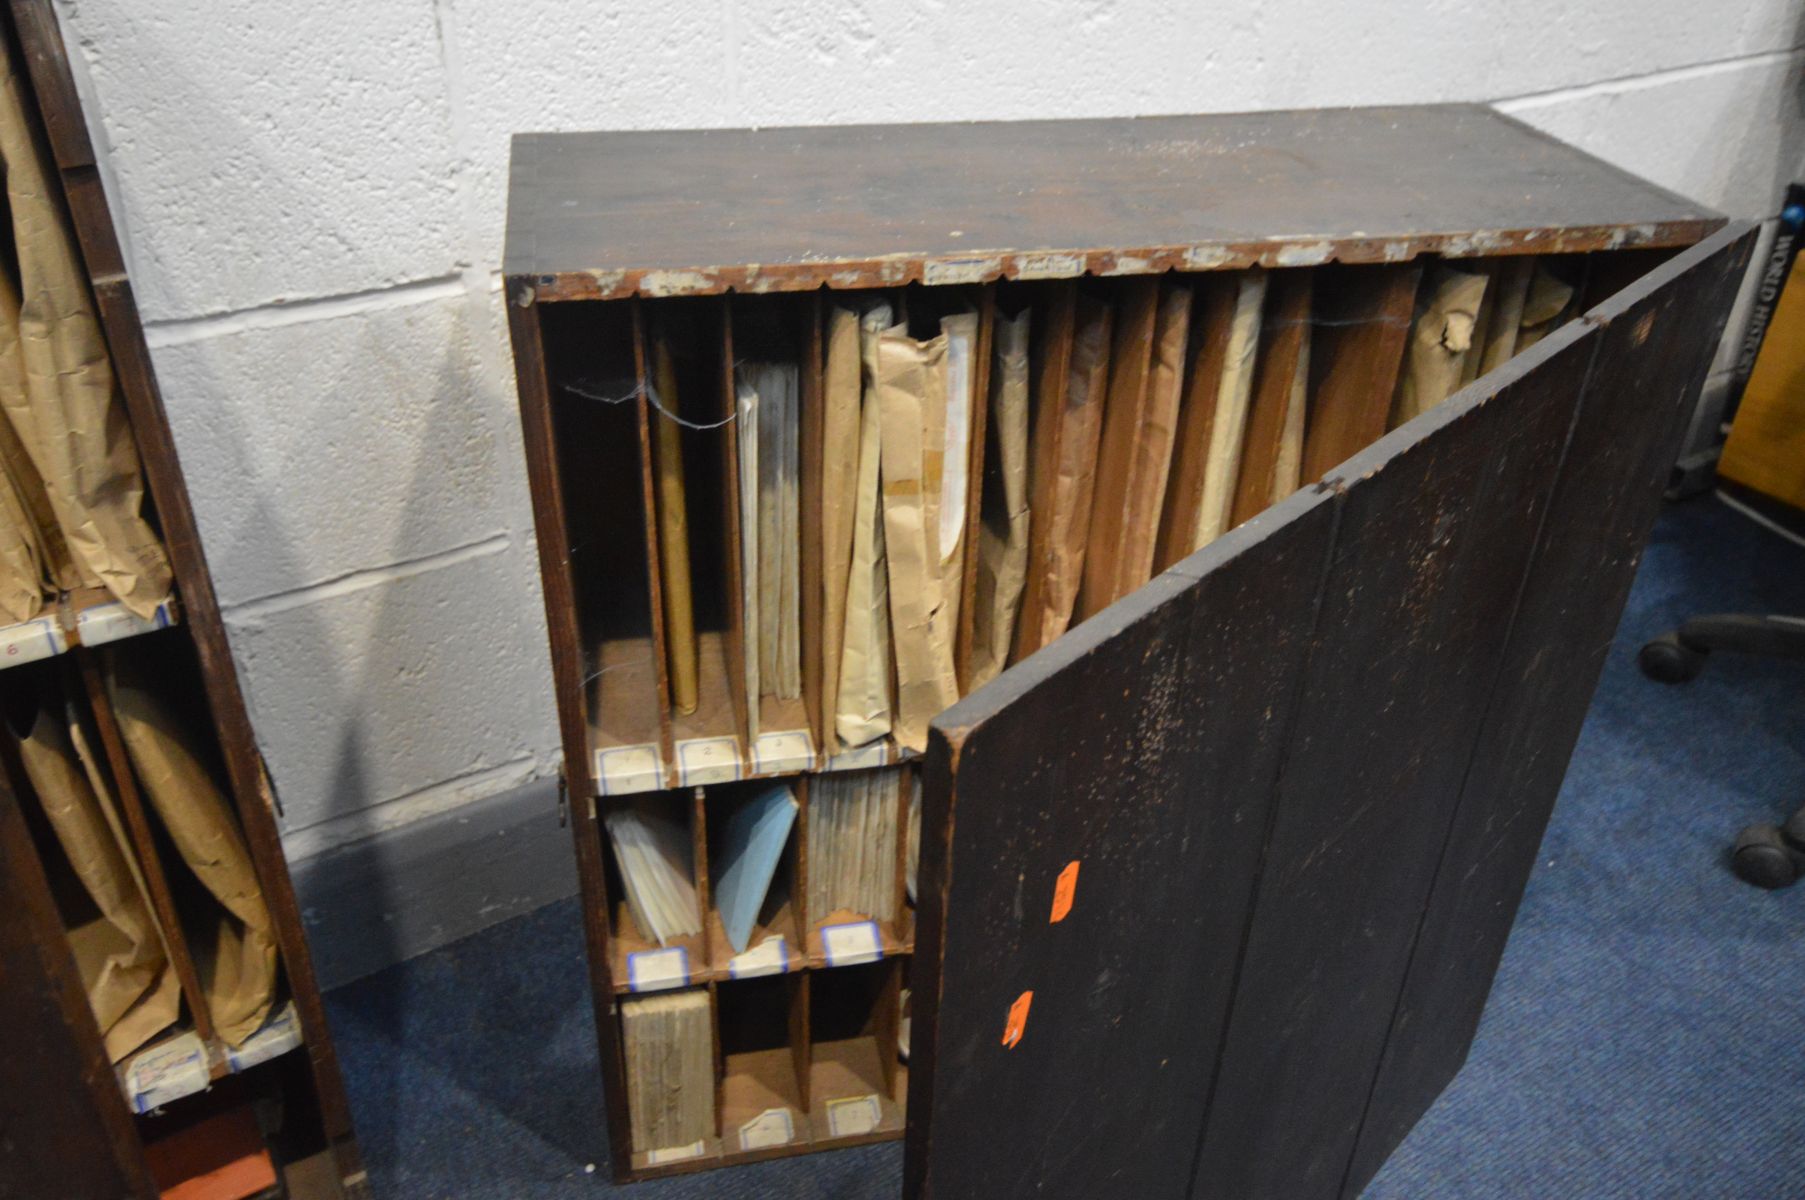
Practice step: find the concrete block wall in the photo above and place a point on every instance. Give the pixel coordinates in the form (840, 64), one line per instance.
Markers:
(313, 200)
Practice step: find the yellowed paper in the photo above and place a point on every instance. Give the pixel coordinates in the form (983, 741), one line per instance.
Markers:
(669, 1052)
(1547, 299)
(911, 393)
(1287, 469)
(1075, 475)
(1512, 283)
(236, 952)
(131, 986)
(839, 491)
(1474, 359)
(68, 416)
(1003, 535)
(863, 711)
(1439, 341)
(960, 371)
(1228, 431)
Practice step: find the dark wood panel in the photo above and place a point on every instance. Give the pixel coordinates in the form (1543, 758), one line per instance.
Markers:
(64, 1127)
(559, 590)
(1438, 524)
(671, 212)
(1652, 355)
(1171, 717)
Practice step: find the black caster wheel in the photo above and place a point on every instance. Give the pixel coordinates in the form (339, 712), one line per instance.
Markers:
(1762, 857)
(1668, 660)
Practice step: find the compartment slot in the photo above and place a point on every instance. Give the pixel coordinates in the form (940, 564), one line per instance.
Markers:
(762, 1105)
(778, 329)
(1361, 324)
(638, 961)
(853, 1067)
(1050, 352)
(597, 415)
(780, 915)
(849, 853)
(1272, 455)
(1212, 323)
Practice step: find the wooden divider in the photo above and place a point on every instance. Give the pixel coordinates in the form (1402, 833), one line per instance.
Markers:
(1212, 318)
(745, 707)
(812, 404)
(1124, 417)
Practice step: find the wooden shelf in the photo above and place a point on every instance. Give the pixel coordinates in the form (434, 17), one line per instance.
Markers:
(180, 1064)
(78, 619)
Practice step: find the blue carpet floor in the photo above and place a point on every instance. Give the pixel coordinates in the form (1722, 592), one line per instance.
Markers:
(1646, 1037)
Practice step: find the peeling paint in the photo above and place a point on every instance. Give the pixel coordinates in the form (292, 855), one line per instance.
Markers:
(960, 270)
(1128, 264)
(1208, 258)
(1306, 254)
(608, 281)
(1397, 251)
(1049, 266)
(1478, 242)
(676, 283)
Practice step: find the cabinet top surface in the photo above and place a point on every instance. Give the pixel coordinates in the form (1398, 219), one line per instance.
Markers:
(599, 215)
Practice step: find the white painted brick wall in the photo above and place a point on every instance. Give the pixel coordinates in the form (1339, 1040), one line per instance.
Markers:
(313, 200)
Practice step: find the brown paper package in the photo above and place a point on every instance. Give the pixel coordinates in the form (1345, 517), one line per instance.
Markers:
(1003, 534)
(863, 709)
(1075, 472)
(1544, 307)
(1440, 340)
(911, 393)
(131, 986)
(235, 948)
(839, 494)
(67, 415)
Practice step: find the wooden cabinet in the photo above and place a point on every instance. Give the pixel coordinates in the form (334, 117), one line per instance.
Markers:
(78, 1120)
(1212, 886)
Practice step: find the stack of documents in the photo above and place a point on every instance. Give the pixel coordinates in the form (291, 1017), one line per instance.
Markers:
(670, 1070)
(852, 828)
(657, 864)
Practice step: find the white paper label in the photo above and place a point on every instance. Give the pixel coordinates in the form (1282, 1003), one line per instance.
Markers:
(168, 1072)
(773, 1127)
(675, 1153)
(707, 760)
(620, 770)
(783, 753)
(656, 970)
(853, 1115)
(113, 622)
(769, 957)
(855, 942)
(280, 1034)
(30, 640)
(872, 754)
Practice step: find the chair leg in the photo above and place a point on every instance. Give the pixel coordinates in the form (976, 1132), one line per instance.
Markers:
(1771, 856)
(1679, 656)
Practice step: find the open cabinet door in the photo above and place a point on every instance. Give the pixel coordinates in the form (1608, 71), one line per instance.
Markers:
(1214, 888)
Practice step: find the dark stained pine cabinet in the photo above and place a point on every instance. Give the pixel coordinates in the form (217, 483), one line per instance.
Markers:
(1213, 886)
(67, 1128)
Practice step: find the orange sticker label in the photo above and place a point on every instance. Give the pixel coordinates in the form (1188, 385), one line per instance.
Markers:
(1018, 1019)
(1063, 891)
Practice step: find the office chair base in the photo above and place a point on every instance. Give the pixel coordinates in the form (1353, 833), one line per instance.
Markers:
(1669, 660)
(1763, 856)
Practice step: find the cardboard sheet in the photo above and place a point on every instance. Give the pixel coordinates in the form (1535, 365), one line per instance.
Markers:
(839, 492)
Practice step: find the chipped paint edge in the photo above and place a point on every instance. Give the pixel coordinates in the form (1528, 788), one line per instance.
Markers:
(965, 268)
